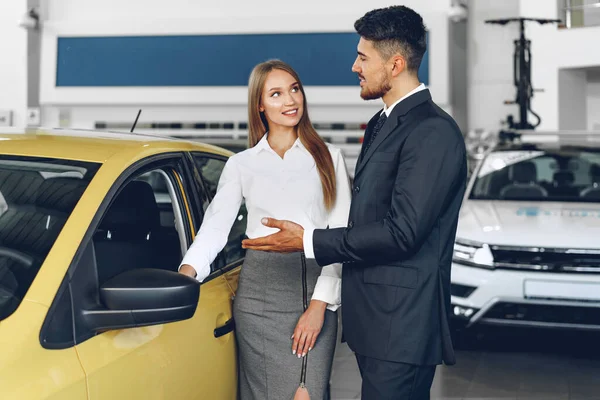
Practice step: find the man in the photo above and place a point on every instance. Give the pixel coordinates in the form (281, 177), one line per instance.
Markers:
(397, 249)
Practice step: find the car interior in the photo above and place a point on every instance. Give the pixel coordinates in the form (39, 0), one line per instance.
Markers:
(523, 182)
(550, 177)
(34, 206)
(137, 231)
(593, 190)
(141, 228)
(132, 236)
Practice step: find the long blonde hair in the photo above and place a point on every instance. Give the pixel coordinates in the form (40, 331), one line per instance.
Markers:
(258, 126)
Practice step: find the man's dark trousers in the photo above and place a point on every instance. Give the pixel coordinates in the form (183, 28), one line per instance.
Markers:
(388, 380)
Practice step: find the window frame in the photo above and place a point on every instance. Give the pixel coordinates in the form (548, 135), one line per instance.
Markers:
(183, 191)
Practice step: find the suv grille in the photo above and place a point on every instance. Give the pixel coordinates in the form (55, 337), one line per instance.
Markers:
(546, 260)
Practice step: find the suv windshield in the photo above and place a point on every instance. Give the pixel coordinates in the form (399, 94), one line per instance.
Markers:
(36, 198)
(564, 174)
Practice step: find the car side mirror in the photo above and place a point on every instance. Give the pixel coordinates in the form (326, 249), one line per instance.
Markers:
(143, 297)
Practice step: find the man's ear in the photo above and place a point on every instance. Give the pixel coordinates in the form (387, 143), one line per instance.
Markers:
(398, 65)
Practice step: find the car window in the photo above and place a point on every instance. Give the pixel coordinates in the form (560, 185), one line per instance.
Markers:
(169, 208)
(142, 228)
(37, 196)
(210, 169)
(564, 174)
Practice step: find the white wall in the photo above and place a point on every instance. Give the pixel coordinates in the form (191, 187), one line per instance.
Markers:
(572, 102)
(591, 16)
(459, 73)
(490, 63)
(13, 60)
(554, 49)
(155, 17)
(593, 99)
(93, 10)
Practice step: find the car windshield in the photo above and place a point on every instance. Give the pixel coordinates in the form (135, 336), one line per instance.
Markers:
(562, 174)
(36, 198)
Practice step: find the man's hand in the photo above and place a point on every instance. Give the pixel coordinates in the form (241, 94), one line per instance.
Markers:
(289, 239)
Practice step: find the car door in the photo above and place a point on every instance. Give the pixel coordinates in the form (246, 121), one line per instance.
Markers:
(138, 229)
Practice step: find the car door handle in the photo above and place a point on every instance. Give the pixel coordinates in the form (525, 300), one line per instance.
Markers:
(225, 329)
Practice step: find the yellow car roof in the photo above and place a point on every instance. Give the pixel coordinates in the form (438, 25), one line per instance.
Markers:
(94, 146)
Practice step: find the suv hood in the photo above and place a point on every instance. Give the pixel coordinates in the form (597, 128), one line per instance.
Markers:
(532, 224)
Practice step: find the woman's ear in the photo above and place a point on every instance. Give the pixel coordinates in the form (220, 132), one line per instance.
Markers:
(261, 109)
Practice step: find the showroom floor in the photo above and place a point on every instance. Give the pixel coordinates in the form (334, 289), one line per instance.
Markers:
(501, 363)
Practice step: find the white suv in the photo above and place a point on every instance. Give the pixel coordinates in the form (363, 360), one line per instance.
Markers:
(527, 251)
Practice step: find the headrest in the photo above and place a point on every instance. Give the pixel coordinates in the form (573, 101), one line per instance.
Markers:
(595, 172)
(563, 178)
(524, 172)
(60, 194)
(19, 187)
(134, 208)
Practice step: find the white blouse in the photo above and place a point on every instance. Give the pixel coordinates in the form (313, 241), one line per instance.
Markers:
(287, 188)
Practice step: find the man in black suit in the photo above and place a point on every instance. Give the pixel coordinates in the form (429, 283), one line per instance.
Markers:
(397, 249)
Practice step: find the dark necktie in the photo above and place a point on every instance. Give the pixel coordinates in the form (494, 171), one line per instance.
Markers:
(375, 131)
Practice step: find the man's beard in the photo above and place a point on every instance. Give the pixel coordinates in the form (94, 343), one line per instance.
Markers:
(375, 93)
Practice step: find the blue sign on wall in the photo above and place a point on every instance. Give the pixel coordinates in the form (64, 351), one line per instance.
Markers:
(321, 59)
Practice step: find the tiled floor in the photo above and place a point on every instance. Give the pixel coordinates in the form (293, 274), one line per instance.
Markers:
(500, 363)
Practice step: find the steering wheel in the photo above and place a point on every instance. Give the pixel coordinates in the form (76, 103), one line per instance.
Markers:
(8, 281)
(18, 256)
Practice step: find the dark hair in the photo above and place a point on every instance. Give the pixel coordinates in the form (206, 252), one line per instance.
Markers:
(393, 30)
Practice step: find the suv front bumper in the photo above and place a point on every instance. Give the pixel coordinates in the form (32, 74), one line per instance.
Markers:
(525, 298)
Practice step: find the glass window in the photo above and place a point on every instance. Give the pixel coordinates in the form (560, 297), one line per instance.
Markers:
(169, 208)
(37, 196)
(210, 169)
(142, 228)
(568, 175)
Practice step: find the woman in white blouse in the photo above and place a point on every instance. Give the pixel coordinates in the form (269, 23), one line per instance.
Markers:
(287, 173)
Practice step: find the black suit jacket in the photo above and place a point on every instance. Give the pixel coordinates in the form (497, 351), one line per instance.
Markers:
(397, 248)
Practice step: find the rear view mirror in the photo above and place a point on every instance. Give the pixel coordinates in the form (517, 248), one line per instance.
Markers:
(143, 297)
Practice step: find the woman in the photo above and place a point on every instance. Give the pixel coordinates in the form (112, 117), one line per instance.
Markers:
(288, 172)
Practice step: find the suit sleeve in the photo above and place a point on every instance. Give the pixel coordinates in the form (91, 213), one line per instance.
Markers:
(431, 167)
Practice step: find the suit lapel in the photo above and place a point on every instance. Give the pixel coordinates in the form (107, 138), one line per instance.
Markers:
(393, 121)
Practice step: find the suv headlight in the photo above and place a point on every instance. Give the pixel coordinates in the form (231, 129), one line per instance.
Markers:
(473, 254)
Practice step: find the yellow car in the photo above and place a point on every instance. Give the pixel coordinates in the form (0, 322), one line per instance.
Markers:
(92, 229)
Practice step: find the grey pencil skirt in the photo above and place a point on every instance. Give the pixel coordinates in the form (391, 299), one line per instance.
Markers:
(267, 306)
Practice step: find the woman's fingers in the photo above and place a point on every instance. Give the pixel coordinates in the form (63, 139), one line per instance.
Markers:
(304, 337)
(303, 348)
(308, 343)
(301, 343)
(296, 338)
(313, 342)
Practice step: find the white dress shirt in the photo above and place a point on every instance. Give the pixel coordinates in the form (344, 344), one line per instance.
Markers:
(287, 188)
(307, 239)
